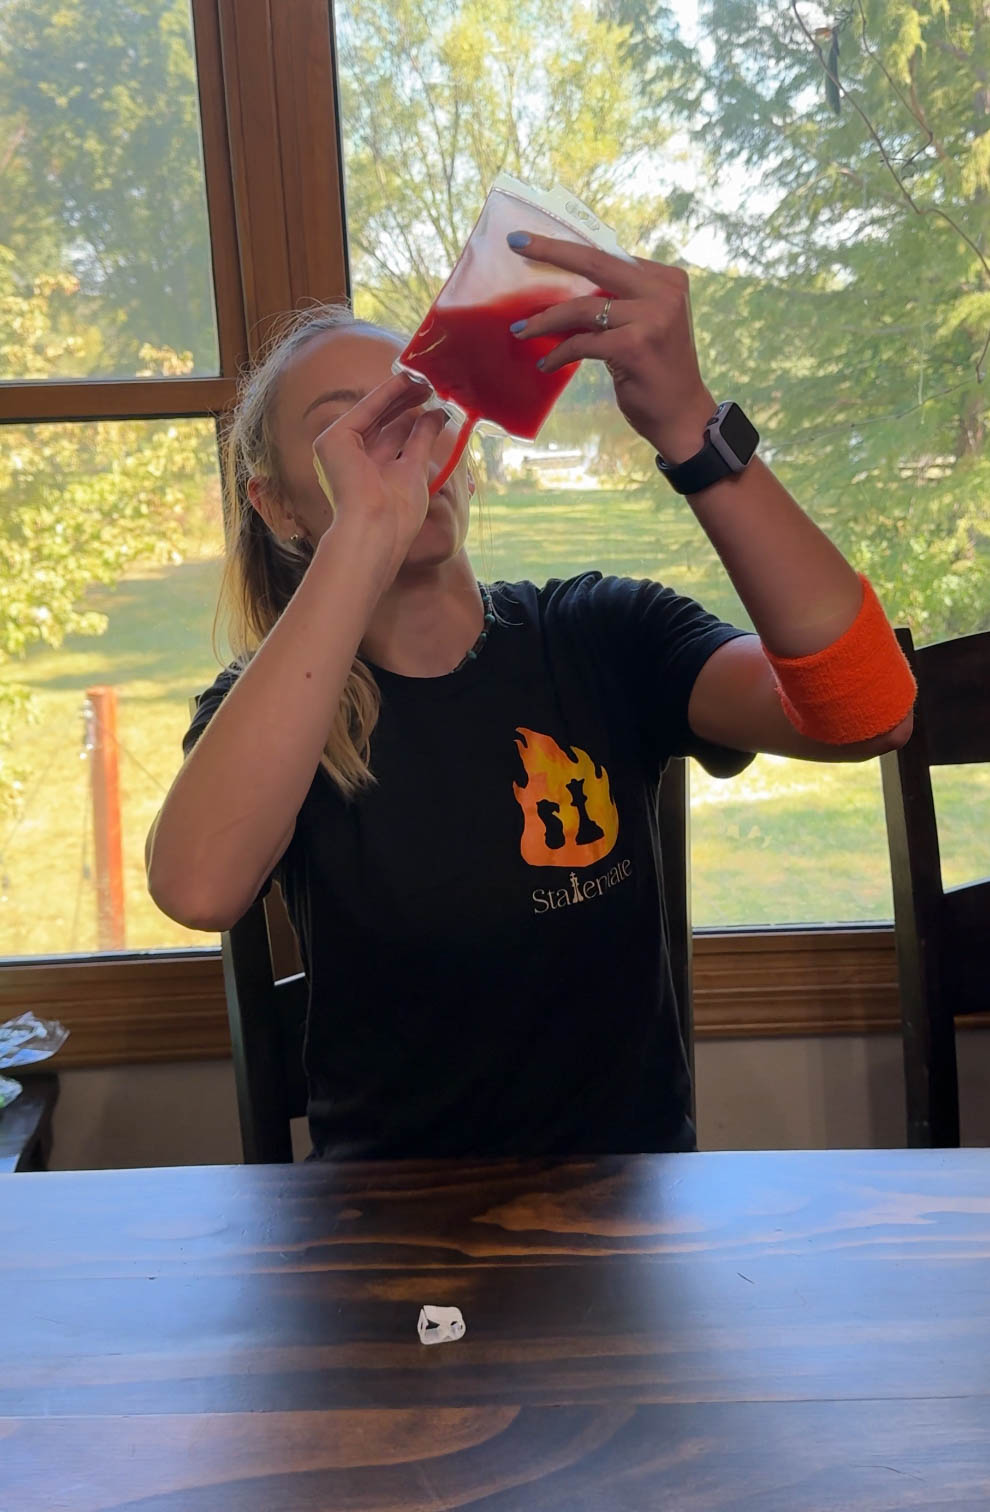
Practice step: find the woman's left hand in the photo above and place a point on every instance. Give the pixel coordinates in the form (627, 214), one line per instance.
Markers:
(647, 344)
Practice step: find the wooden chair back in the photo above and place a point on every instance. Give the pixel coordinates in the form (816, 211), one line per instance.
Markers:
(267, 992)
(267, 998)
(940, 933)
(675, 851)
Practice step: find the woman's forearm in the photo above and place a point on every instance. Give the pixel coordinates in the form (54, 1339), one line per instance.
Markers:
(232, 807)
(800, 591)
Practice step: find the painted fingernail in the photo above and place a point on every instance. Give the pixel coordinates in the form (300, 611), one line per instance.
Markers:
(517, 239)
(517, 326)
(540, 363)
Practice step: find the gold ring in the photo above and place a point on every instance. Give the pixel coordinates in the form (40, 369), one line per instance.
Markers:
(601, 319)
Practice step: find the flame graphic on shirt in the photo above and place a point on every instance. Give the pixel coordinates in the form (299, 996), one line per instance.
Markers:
(570, 816)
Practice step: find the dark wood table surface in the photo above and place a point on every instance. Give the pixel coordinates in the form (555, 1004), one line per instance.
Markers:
(751, 1331)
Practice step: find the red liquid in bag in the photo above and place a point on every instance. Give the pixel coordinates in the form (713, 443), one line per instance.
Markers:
(470, 357)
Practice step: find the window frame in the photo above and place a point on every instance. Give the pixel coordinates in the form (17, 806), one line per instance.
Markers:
(267, 87)
(169, 1005)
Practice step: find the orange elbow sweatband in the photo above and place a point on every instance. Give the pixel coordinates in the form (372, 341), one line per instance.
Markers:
(859, 687)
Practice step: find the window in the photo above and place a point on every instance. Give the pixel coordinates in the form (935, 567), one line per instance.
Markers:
(109, 529)
(832, 207)
(208, 130)
(143, 249)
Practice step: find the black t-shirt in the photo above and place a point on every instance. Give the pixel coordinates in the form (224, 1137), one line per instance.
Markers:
(482, 928)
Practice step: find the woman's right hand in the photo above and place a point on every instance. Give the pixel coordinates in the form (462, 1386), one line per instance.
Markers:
(373, 464)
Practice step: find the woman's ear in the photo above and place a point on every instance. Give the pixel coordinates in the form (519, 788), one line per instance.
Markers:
(266, 499)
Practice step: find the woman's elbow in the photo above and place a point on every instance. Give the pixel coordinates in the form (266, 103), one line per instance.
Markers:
(890, 740)
(189, 905)
(867, 750)
(898, 736)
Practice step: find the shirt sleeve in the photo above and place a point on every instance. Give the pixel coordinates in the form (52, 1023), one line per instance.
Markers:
(654, 643)
(207, 704)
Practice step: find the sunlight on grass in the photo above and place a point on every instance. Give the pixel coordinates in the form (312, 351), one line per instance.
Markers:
(156, 653)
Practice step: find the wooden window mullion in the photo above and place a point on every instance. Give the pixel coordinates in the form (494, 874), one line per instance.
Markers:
(106, 399)
(228, 292)
(281, 117)
(312, 170)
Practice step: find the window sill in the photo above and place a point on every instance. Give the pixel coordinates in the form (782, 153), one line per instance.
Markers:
(125, 1009)
(170, 1006)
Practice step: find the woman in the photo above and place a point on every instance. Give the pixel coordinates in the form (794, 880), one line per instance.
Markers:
(457, 787)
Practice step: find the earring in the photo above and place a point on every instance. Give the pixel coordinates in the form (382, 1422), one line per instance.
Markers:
(472, 486)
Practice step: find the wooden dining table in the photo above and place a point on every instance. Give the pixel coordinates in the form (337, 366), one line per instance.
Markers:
(772, 1331)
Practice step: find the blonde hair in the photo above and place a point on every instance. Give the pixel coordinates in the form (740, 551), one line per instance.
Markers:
(261, 573)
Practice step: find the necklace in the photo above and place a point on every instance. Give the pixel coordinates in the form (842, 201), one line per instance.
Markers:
(478, 647)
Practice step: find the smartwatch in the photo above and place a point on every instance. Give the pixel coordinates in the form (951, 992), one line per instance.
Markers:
(730, 441)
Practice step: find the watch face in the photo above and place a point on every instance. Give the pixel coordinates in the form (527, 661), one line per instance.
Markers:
(736, 433)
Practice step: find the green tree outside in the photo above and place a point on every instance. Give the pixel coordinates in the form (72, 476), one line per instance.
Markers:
(101, 177)
(855, 313)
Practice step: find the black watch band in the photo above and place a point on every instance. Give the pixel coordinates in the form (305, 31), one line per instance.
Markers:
(700, 471)
(730, 441)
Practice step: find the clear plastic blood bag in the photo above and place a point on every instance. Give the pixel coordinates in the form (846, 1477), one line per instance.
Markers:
(464, 348)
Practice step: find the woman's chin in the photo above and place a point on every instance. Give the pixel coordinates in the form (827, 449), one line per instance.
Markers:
(436, 543)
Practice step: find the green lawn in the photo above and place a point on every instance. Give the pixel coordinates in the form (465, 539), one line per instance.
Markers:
(786, 842)
(155, 652)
